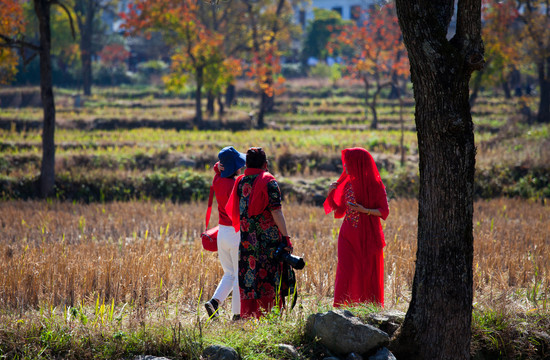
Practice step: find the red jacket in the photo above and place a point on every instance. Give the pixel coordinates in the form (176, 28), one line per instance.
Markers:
(222, 190)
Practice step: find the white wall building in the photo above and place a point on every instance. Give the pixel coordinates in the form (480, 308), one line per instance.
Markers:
(346, 8)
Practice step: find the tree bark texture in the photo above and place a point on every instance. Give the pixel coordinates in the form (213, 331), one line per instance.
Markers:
(438, 321)
(544, 102)
(47, 170)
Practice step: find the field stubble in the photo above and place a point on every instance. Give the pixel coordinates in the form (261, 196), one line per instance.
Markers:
(143, 253)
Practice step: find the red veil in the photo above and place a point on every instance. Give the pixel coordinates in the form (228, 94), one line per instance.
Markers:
(368, 189)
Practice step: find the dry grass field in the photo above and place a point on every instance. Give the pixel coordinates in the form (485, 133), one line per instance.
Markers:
(63, 254)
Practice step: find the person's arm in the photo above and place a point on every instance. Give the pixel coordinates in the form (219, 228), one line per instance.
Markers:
(279, 218)
(360, 208)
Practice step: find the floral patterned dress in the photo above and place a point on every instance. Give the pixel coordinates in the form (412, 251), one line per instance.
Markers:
(260, 274)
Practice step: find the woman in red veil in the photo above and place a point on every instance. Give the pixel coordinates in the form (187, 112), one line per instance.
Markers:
(360, 196)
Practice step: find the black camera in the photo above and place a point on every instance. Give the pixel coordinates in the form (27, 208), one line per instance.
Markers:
(281, 254)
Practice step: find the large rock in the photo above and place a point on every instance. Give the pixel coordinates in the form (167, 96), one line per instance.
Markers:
(217, 352)
(149, 357)
(343, 333)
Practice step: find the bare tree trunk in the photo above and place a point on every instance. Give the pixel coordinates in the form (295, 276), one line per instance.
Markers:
(544, 82)
(438, 321)
(47, 170)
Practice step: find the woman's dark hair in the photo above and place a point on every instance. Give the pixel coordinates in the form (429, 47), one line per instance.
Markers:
(255, 158)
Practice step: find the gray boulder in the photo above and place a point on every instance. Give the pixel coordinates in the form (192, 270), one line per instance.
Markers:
(343, 333)
(149, 357)
(217, 352)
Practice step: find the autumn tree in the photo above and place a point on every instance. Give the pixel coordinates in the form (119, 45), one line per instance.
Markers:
(13, 39)
(196, 48)
(269, 29)
(373, 52)
(224, 19)
(535, 39)
(11, 25)
(500, 36)
(438, 322)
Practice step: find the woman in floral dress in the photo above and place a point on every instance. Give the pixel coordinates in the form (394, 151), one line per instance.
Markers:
(255, 209)
(360, 196)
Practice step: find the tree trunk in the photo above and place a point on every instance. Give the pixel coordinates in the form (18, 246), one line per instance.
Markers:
(198, 97)
(374, 124)
(544, 82)
(438, 321)
(230, 95)
(47, 170)
(260, 122)
(210, 103)
(221, 109)
(367, 86)
(86, 26)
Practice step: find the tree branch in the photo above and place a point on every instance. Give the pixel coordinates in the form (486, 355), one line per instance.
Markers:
(17, 44)
(59, 3)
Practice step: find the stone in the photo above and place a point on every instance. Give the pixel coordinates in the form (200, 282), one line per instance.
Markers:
(383, 354)
(342, 333)
(354, 356)
(217, 352)
(388, 321)
(289, 351)
(149, 357)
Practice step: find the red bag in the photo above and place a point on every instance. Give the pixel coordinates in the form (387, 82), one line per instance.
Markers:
(210, 237)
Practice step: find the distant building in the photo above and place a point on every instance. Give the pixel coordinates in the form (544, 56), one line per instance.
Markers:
(348, 9)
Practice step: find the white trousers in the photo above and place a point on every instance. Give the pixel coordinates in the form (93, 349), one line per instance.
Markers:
(228, 253)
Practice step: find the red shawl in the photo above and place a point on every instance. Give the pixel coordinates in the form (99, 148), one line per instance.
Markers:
(367, 187)
(259, 199)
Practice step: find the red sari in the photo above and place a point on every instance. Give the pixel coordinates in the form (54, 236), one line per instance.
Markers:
(360, 269)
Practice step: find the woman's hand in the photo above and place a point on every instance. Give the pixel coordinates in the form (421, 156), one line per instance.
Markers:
(360, 208)
(357, 207)
(332, 186)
